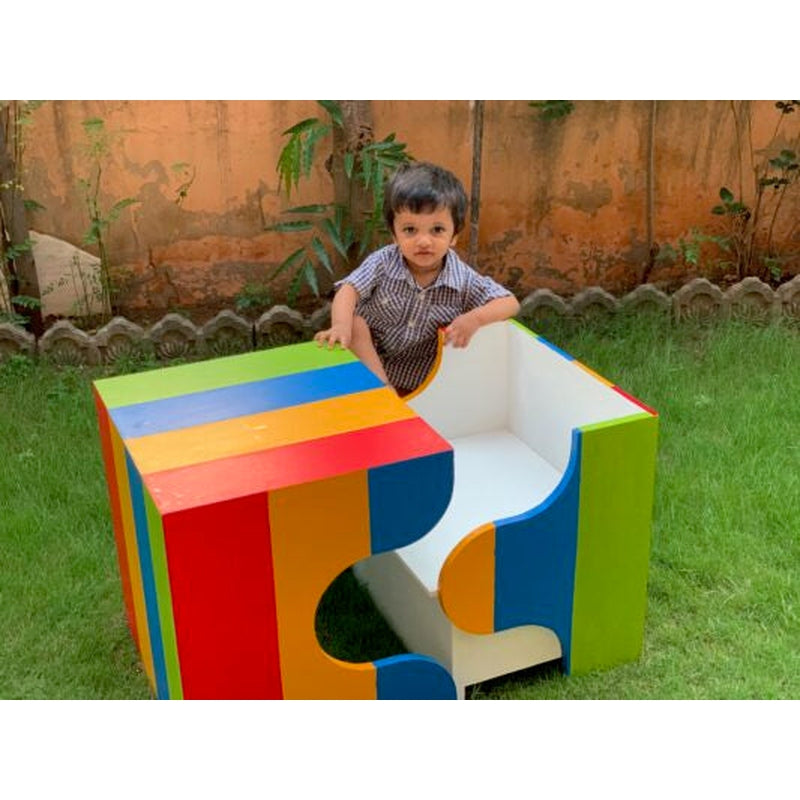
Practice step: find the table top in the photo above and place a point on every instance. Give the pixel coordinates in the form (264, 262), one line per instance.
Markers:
(228, 427)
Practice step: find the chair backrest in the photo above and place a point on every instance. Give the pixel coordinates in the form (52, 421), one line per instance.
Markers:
(511, 379)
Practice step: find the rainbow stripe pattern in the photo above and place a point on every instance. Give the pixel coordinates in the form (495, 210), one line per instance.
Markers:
(240, 488)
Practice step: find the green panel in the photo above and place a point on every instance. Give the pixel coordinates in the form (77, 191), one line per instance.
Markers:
(215, 373)
(524, 328)
(163, 593)
(616, 506)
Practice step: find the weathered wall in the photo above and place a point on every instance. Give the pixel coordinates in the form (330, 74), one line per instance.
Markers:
(564, 202)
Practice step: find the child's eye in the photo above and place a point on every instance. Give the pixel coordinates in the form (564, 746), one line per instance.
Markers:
(438, 230)
(408, 229)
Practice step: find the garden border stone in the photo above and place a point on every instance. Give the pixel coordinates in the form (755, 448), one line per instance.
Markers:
(175, 336)
(65, 344)
(751, 299)
(120, 337)
(15, 341)
(699, 300)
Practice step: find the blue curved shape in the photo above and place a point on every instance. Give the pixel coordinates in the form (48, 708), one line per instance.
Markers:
(535, 555)
(407, 499)
(413, 677)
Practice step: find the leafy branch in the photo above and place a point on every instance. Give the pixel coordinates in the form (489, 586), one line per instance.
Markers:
(98, 148)
(333, 233)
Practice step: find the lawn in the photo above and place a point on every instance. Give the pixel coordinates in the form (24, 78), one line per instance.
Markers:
(724, 593)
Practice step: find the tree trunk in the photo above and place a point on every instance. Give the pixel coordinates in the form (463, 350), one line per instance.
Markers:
(475, 190)
(22, 276)
(357, 132)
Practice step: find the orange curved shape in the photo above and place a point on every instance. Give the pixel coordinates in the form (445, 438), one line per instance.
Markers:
(318, 530)
(466, 581)
(434, 369)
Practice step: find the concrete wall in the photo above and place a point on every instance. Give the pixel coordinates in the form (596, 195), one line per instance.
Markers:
(564, 202)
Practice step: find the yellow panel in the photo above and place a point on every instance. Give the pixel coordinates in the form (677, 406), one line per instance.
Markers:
(250, 434)
(466, 582)
(318, 530)
(132, 551)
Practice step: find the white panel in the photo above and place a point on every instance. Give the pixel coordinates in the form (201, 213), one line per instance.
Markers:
(412, 612)
(496, 476)
(550, 395)
(469, 393)
(417, 618)
(507, 404)
(480, 658)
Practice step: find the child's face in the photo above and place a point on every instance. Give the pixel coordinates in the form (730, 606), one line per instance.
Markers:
(424, 238)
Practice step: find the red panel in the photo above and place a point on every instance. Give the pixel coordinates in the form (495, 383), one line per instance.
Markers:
(634, 400)
(215, 481)
(116, 512)
(219, 559)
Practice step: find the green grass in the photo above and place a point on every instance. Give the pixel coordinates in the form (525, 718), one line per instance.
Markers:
(724, 594)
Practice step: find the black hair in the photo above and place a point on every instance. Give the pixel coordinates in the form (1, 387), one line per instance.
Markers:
(421, 187)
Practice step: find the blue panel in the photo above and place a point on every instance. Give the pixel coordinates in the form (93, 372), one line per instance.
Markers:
(413, 677)
(535, 555)
(407, 499)
(558, 350)
(148, 579)
(214, 405)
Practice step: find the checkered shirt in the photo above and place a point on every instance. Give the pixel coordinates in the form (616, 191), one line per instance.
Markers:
(404, 319)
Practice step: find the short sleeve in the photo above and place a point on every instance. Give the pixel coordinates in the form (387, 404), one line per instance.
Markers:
(481, 289)
(364, 277)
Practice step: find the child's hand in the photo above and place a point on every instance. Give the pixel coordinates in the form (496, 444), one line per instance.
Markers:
(459, 332)
(336, 333)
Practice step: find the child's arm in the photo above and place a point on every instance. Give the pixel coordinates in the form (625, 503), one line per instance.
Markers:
(342, 313)
(459, 332)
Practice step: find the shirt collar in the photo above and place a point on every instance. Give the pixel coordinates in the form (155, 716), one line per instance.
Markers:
(447, 277)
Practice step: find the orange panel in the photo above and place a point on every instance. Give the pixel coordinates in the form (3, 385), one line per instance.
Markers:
(466, 582)
(129, 535)
(440, 345)
(107, 449)
(318, 530)
(250, 434)
(593, 373)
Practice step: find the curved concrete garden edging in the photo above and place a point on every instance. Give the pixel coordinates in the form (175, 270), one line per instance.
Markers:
(174, 336)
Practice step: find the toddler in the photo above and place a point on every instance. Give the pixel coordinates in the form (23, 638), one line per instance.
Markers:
(388, 310)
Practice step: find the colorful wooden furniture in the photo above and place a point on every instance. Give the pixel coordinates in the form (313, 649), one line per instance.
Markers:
(543, 551)
(499, 517)
(240, 489)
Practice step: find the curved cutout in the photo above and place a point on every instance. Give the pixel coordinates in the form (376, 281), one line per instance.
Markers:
(349, 626)
(352, 632)
(519, 570)
(434, 369)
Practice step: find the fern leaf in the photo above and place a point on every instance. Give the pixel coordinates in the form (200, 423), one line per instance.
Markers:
(334, 109)
(322, 254)
(291, 226)
(319, 208)
(301, 126)
(333, 235)
(310, 275)
(287, 263)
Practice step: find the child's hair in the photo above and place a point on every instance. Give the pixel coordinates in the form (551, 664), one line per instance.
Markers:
(421, 187)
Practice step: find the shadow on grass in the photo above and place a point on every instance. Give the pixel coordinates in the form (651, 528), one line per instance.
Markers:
(350, 627)
(514, 683)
